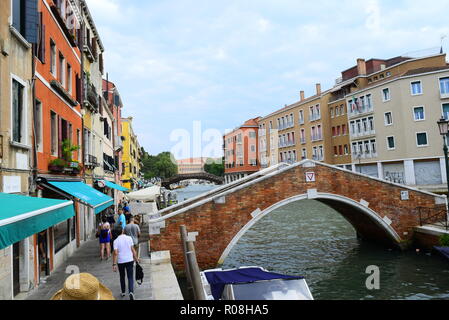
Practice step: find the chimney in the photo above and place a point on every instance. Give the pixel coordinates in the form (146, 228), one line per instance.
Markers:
(361, 67)
(303, 97)
(318, 89)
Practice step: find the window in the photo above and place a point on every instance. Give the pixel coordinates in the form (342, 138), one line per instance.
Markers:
(335, 151)
(38, 124)
(446, 111)
(61, 233)
(418, 113)
(52, 57)
(78, 140)
(18, 112)
(373, 147)
(388, 74)
(346, 148)
(416, 88)
(18, 15)
(304, 154)
(61, 75)
(444, 86)
(391, 143)
(54, 133)
(301, 117)
(371, 124)
(253, 148)
(421, 139)
(342, 110)
(69, 78)
(332, 112)
(386, 94)
(344, 130)
(388, 118)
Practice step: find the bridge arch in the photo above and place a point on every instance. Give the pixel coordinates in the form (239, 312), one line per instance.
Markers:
(337, 202)
(379, 210)
(198, 176)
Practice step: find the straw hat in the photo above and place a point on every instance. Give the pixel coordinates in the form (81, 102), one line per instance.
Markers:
(83, 286)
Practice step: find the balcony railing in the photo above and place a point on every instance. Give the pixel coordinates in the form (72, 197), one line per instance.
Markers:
(317, 137)
(286, 125)
(91, 161)
(287, 144)
(92, 96)
(315, 117)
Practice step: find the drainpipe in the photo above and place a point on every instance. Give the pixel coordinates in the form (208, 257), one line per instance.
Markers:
(34, 170)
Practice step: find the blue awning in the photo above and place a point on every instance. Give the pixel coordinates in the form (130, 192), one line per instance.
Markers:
(22, 216)
(218, 279)
(112, 185)
(86, 194)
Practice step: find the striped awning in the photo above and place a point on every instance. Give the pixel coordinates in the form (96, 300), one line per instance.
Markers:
(23, 216)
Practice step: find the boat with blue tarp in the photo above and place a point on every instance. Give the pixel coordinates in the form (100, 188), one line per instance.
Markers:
(253, 283)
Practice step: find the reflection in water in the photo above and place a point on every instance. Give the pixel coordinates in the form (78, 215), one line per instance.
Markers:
(310, 239)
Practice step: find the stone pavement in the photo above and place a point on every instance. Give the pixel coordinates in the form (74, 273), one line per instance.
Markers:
(87, 259)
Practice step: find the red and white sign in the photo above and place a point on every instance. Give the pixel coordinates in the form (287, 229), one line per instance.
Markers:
(310, 177)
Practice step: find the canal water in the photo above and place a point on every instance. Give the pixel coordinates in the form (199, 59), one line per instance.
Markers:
(310, 239)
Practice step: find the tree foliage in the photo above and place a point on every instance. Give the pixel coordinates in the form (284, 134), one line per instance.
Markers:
(160, 166)
(214, 167)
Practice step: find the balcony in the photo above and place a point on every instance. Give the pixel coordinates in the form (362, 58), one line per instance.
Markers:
(118, 146)
(88, 50)
(286, 125)
(92, 99)
(63, 92)
(287, 144)
(66, 25)
(91, 161)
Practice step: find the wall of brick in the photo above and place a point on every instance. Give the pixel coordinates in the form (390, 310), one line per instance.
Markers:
(218, 224)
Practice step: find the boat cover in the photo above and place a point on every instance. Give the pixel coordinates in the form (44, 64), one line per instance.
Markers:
(444, 251)
(218, 279)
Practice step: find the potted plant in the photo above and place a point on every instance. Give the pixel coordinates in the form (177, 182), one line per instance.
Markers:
(68, 149)
(57, 165)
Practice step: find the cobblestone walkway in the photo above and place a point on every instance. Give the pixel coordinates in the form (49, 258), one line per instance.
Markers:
(87, 259)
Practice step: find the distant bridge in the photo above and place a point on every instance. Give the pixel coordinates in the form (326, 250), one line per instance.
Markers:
(199, 176)
(378, 210)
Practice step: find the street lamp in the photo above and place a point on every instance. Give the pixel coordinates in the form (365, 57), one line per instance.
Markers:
(443, 125)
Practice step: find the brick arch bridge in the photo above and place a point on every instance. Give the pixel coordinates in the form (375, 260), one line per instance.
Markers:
(378, 210)
(199, 176)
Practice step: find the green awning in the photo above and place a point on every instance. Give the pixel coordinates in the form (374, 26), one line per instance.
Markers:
(22, 216)
(112, 185)
(87, 195)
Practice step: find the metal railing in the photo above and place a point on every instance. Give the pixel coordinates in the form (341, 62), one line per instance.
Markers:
(437, 217)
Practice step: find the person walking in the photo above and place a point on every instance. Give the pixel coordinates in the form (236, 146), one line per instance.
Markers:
(127, 211)
(133, 231)
(111, 218)
(124, 258)
(121, 218)
(105, 238)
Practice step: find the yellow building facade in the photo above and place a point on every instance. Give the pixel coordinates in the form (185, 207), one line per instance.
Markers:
(131, 156)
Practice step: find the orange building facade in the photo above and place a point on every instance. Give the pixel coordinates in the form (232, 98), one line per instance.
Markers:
(58, 121)
(241, 151)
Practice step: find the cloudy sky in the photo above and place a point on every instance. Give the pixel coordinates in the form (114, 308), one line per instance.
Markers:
(223, 62)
